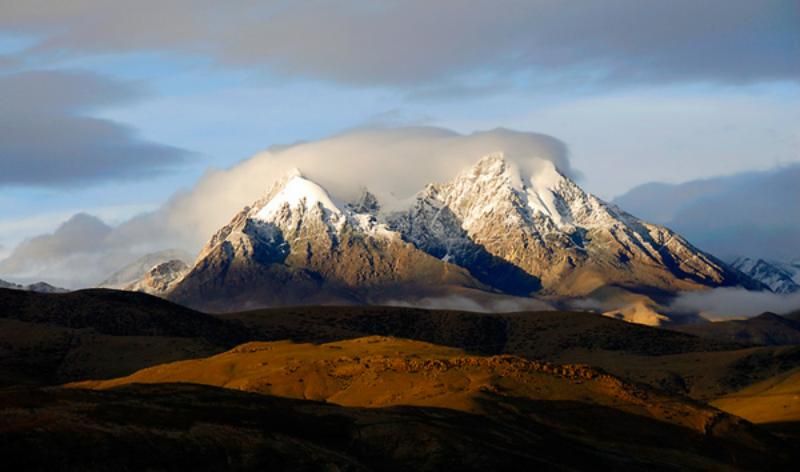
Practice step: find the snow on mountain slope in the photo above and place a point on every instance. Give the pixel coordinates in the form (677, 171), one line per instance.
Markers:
(161, 278)
(779, 277)
(296, 245)
(547, 227)
(296, 192)
(135, 271)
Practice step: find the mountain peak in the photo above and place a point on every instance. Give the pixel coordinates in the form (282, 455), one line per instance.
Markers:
(492, 167)
(297, 191)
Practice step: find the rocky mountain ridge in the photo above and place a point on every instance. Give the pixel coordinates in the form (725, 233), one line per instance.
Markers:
(778, 276)
(491, 230)
(297, 246)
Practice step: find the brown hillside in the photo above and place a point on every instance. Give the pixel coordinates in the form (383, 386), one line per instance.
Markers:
(775, 400)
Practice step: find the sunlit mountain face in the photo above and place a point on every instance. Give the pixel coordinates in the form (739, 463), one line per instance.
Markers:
(380, 235)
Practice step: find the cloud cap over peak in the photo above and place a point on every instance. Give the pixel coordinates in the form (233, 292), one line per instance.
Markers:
(392, 163)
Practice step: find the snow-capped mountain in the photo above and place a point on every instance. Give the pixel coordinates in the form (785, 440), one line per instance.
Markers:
(491, 219)
(298, 245)
(490, 229)
(778, 276)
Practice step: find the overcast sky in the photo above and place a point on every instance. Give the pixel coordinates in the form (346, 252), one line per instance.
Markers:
(111, 107)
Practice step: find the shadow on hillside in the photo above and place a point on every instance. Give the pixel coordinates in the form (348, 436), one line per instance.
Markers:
(460, 249)
(785, 429)
(730, 440)
(177, 426)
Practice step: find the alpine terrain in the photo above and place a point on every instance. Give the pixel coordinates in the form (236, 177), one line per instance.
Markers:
(779, 277)
(492, 230)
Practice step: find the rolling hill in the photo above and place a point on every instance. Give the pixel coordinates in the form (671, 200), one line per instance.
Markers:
(530, 397)
(767, 329)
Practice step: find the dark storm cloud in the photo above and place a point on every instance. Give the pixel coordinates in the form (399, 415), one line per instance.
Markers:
(47, 139)
(418, 42)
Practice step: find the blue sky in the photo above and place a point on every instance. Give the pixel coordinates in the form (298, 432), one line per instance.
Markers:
(638, 91)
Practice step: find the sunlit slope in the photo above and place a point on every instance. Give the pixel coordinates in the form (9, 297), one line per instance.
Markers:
(775, 400)
(379, 371)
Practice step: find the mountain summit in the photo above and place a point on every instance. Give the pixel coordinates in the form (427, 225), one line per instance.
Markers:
(297, 245)
(492, 229)
(569, 241)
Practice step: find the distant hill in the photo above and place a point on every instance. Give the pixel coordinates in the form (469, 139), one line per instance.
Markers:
(116, 313)
(767, 329)
(41, 287)
(537, 335)
(53, 338)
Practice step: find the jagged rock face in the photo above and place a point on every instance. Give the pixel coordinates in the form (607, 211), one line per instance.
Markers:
(296, 246)
(161, 278)
(779, 277)
(138, 269)
(564, 239)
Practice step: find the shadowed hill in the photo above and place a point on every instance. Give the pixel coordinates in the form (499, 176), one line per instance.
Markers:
(532, 334)
(676, 362)
(53, 338)
(767, 329)
(117, 313)
(194, 427)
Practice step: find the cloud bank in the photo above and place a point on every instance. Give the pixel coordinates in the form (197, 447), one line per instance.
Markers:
(419, 42)
(480, 304)
(75, 254)
(755, 214)
(46, 137)
(731, 302)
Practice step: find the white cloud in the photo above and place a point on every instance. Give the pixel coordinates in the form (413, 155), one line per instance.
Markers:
(70, 251)
(731, 302)
(623, 139)
(392, 163)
